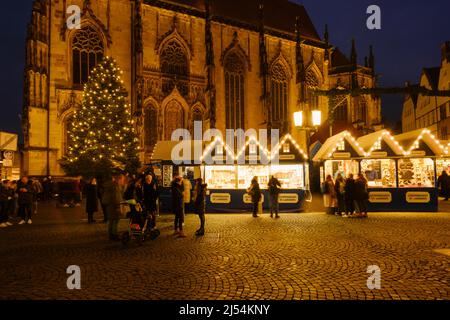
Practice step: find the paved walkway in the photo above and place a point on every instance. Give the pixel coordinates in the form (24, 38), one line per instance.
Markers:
(300, 256)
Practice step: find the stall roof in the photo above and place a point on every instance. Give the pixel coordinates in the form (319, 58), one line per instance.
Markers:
(331, 143)
(279, 145)
(163, 150)
(411, 139)
(368, 142)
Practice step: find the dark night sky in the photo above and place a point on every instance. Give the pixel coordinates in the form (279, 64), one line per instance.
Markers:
(410, 39)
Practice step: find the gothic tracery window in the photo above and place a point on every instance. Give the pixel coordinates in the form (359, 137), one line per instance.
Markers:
(87, 52)
(279, 94)
(173, 118)
(234, 91)
(174, 65)
(340, 108)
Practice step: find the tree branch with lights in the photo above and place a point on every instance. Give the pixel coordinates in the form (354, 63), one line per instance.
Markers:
(102, 135)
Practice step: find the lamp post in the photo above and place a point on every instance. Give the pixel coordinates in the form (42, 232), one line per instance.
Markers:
(309, 122)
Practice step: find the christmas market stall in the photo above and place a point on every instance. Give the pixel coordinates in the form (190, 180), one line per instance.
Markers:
(417, 190)
(340, 154)
(228, 174)
(172, 158)
(380, 169)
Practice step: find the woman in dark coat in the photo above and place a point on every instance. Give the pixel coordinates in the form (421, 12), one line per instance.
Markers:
(150, 194)
(199, 196)
(91, 199)
(255, 192)
(444, 185)
(177, 205)
(349, 194)
(361, 195)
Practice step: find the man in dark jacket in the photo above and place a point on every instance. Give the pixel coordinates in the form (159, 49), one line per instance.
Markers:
(274, 191)
(25, 200)
(177, 205)
(4, 204)
(444, 185)
(349, 195)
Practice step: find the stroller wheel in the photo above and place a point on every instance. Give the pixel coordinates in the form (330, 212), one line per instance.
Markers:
(154, 234)
(125, 238)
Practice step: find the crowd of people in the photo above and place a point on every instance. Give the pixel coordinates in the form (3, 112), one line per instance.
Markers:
(346, 197)
(19, 198)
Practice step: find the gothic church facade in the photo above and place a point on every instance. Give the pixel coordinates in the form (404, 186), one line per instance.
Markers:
(227, 63)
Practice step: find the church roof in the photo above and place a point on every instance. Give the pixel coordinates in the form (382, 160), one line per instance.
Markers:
(282, 15)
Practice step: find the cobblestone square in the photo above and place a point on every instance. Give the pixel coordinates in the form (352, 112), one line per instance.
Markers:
(299, 256)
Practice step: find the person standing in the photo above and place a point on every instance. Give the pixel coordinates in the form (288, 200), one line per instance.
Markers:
(187, 187)
(91, 199)
(36, 188)
(25, 200)
(443, 183)
(274, 191)
(150, 194)
(255, 192)
(349, 195)
(177, 205)
(329, 195)
(113, 200)
(199, 197)
(361, 196)
(339, 188)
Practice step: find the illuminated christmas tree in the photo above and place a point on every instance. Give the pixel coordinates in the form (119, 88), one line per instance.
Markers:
(102, 135)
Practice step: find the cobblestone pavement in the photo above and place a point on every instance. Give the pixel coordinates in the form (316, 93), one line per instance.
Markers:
(299, 256)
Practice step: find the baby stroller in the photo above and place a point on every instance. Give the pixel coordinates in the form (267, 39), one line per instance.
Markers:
(140, 227)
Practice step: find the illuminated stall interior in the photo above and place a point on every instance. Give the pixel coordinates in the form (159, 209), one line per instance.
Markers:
(379, 166)
(286, 162)
(417, 168)
(339, 153)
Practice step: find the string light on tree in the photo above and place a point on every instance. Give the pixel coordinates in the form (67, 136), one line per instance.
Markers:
(102, 134)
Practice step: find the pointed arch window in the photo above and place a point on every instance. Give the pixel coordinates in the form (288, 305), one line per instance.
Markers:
(150, 127)
(234, 91)
(87, 52)
(340, 108)
(279, 94)
(173, 118)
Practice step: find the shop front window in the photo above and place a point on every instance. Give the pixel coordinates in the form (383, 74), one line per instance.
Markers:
(343, 167)
(379, 173)
(416, 173)
(246, 174)
(220, 177)
(290, 176)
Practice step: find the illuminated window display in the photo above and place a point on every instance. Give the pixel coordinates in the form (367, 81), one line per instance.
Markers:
(344, 167)
(441, 165)
(416, 173)
(379, 173)
(246, 174)
(220, 177)
(290, 176)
